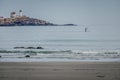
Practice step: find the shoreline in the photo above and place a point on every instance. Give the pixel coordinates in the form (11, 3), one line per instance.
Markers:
(28, 59)
(59, 70)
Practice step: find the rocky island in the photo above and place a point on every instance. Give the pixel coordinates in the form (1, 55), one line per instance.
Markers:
(22, 20)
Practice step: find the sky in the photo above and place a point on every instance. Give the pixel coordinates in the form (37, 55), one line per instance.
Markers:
(82, 12)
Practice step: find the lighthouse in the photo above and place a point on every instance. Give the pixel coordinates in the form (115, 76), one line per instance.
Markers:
(20, 13)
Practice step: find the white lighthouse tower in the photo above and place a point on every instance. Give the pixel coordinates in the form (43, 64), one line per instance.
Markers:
(20, 13)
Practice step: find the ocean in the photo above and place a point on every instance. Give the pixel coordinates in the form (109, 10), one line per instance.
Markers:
(60, 43)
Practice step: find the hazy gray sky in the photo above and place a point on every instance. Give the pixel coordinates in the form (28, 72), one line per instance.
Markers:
(84, 12)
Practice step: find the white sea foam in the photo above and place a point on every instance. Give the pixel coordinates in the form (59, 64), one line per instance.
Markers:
(67, 55)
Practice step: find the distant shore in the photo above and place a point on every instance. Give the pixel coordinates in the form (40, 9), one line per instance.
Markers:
(22, 20)
(59, 70)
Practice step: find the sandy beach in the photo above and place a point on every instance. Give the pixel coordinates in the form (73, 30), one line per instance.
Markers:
(59, 70)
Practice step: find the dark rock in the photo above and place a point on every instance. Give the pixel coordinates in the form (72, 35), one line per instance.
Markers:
(39, 48)
(0, 56)
(30, 48)
(19, 47)
(27, 55)
(69, 25)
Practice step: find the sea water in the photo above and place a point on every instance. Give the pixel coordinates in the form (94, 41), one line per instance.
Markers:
(60, 43)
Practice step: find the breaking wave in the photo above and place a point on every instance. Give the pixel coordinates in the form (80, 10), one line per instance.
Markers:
(60, 54)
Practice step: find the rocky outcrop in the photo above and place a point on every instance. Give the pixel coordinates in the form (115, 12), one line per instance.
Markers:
(27, 56)
(28, 47)
(27, 21)
(69, 25)
(24, 21)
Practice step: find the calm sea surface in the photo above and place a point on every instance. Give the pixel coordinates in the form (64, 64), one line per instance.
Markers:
(60, 43)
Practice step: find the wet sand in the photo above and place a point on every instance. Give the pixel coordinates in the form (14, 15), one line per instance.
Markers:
(59, 70)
